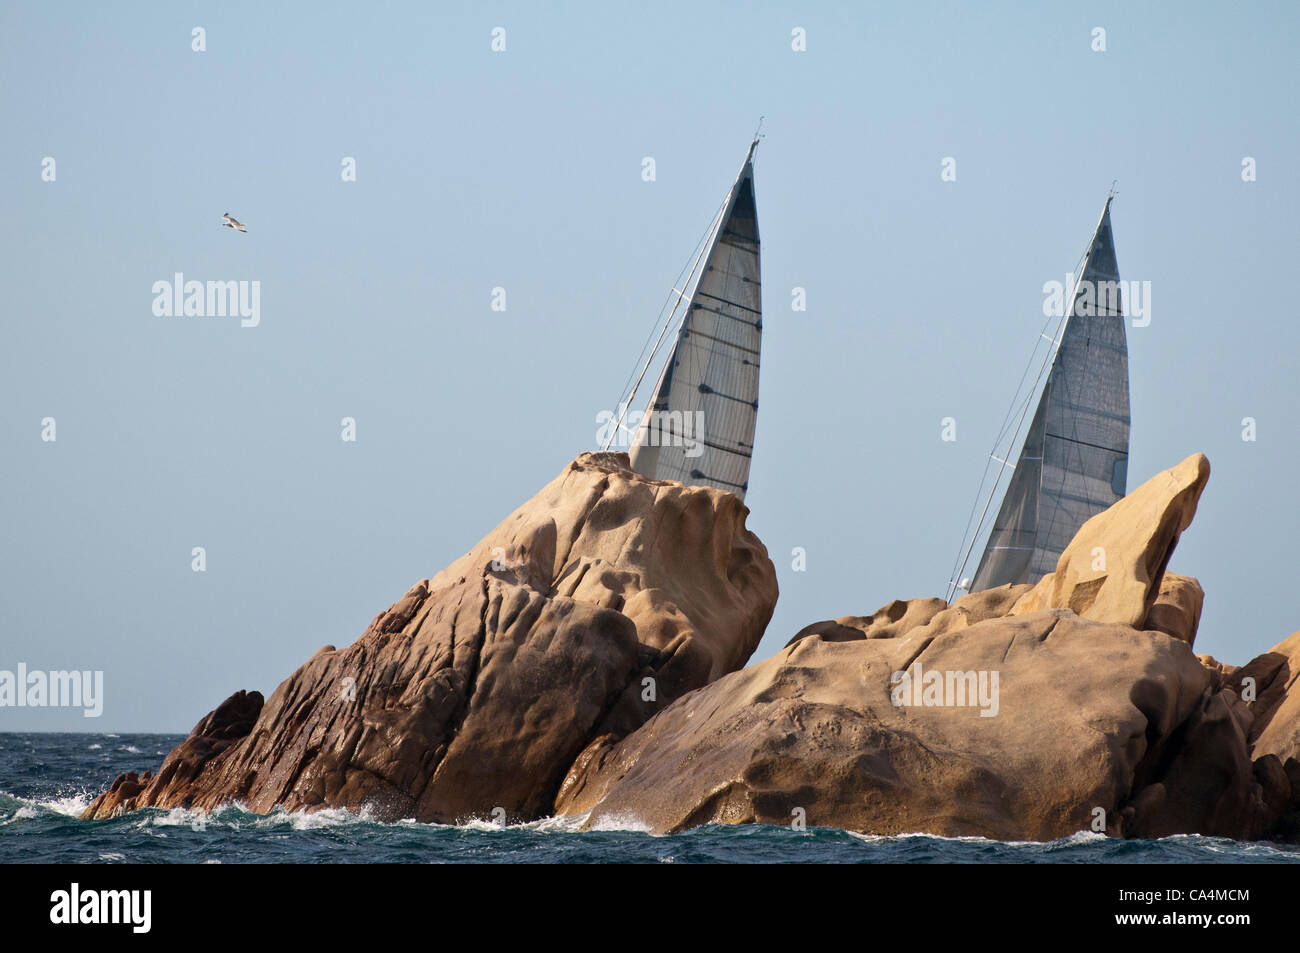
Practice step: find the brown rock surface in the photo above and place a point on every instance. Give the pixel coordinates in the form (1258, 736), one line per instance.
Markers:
(902, 616)
(1177, 609)
(1080, 706)
(481, 685)
(1276, 727)
(1202, 780)
(887, 622)
(1101, 704)
(1136, 536)
(518, 678)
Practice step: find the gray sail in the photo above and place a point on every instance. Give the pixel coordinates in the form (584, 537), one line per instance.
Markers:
(1074, 462)
(699, 426)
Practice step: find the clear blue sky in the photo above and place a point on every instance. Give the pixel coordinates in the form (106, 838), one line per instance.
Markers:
(522, 169)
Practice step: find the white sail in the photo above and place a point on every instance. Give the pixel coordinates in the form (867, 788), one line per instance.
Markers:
(1074, 462)
(699, 425)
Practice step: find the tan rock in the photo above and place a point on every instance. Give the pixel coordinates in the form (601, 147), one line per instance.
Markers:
(1272, 680)
(1177, 609)
(890, 621)
(1080, 706)
(1202, 780)
(1220, 675)
(900, 617)
(1132, 541)
(480, 686)
(976, 607)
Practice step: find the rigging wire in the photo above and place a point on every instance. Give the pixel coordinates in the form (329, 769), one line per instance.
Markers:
(959, 566)
(675, 297)
(667, 301)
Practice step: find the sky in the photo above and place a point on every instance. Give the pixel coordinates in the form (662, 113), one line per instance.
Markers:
(522, 169)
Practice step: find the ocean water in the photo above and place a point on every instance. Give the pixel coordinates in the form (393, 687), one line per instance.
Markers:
(47, 780)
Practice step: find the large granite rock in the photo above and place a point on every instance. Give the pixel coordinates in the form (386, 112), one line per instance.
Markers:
(1276, 705)
(591, 607)
(900, 617)
(1075, 713)
(1271, 680)
(584, 659)
(1111, 570)
(1089, 711)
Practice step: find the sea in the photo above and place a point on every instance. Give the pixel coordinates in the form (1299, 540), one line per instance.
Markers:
(48, 779)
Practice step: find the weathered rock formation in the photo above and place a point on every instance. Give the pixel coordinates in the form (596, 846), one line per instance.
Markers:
(814, 728)
(592, 606)
(1112, 569)
(1017, 713)
(585, 659)
(1274, 732)
(1177, 609)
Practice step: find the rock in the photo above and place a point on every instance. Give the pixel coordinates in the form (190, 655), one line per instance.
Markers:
(584, 659)
(1220, 674)
(1177, 609)
(976, 607)
(592, 606)
(897, 618)
(1080, 707)
(900, 617)
(1271, 679)
(1206, 780)
(1099, 710)
(1131, 542)
(230, 721)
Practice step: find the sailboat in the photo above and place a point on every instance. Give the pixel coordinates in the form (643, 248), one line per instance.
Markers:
(1073, 463)
(698, 427)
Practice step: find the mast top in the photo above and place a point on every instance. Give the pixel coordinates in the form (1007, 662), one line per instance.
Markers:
(758, 137)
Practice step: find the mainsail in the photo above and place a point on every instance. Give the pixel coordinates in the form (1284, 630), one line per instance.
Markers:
(1074, 462)
(699, 425)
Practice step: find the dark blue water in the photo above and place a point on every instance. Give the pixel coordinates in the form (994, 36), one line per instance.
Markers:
(46, 780)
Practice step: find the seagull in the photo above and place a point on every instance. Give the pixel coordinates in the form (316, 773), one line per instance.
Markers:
(235, 223)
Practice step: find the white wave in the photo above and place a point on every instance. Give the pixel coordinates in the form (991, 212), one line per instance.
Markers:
(622, 822)
(72, 805)
(314, 820)
(1224, 845)
(180, 817)
(868, 838)
(24, 813)
(920, 835)
(556, 825)
(129, 749)
(95, 747)
(1078, 837)
(112, 857)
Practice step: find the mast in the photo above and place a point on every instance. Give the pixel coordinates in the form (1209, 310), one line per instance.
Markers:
(698, 427)
(1074, 461)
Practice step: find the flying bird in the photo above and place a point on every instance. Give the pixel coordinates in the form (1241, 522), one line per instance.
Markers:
(235, 223)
